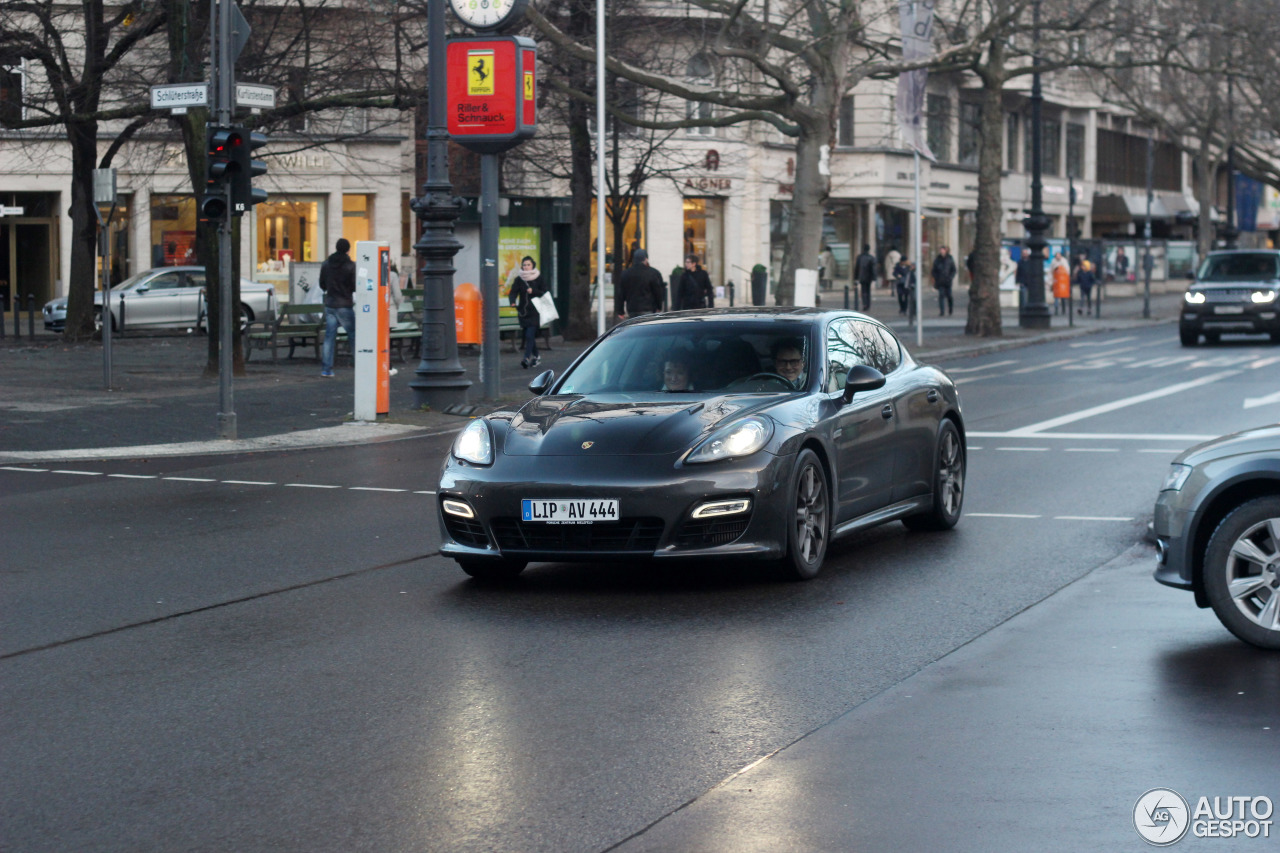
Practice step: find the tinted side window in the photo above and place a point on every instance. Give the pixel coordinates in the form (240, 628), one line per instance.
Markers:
(195, 279)
(845, 348)
(881, 347)
(167, 281)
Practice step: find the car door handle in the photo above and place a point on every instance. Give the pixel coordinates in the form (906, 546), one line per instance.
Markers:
(932, 396)
(887, 411)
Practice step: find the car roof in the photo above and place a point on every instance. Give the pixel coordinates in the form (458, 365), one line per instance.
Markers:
(728, 315)
(1216, 252)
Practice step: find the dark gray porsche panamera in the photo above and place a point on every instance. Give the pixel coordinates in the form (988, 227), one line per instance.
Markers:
(728, 433)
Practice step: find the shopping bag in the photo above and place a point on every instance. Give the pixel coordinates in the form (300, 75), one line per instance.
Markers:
(546, 309)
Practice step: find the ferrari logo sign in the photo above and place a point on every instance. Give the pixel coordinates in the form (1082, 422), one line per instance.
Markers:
(528, 85)
(480, 73)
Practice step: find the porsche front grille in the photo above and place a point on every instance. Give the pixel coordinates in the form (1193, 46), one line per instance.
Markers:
(628, 535)
(709, 532)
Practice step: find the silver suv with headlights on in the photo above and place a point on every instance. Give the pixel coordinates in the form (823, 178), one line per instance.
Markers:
(1234, 292)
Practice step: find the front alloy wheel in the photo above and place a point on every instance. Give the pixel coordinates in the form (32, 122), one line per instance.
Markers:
(807, 524)
(1242, 572)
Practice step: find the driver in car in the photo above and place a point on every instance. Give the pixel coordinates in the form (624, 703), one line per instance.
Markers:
(788, 361)
(675, 375)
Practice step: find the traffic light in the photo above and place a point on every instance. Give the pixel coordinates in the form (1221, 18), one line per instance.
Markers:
(243, 195)
(220, 167)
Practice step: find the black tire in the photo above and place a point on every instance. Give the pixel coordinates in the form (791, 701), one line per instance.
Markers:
(492, 570)
(948, 482)
(808, 511)
(1189, 337)
(1242, 572)
(97, 322)
(246, 316)
(1211, 337)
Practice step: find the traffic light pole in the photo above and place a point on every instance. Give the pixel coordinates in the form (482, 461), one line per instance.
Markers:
(222, 81)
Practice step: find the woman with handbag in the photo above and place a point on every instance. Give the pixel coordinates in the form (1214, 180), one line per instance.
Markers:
(526, 287)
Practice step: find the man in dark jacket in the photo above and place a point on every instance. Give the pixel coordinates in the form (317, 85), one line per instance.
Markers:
(639, 289)
(944, 275)
(338, 281)
(864, 271)
(695, 290)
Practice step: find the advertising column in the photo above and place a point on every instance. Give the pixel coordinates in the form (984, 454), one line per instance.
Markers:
(373, 336)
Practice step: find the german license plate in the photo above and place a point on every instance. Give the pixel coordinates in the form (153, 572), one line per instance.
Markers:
(1228, 309)
(569, 510)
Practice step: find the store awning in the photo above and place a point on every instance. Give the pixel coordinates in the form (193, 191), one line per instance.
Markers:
(910, 207)
(1130, 206)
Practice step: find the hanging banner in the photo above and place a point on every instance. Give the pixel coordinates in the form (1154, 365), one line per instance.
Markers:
(917, 43)
(492, 90)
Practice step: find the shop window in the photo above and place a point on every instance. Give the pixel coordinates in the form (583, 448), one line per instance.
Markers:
(844, 125)
(1075, 150)
(289, 229)
(704, 235)
(173, 230)
(1050, 145)
(698, 71)
(11, 84)
(633, 237)
(357, 217)
(1011, 122)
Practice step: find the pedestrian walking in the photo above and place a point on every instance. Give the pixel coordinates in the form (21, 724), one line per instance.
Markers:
(891, 260)
(526, 287)
(944, 276)
(1122, 264)
(395, 294)
(864, 271)
(1061, 272)
(1086, 279)
(826, 267)
(901, 271)
(639, 289)
(338, 281)
(694, 289)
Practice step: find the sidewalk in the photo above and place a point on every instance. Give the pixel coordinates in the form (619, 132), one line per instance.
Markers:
(53, 396)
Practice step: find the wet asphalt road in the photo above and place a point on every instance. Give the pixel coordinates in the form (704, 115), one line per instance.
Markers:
(266, 654)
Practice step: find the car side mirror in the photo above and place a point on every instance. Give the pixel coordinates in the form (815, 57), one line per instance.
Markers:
(542, 382)
(862, 377)
(142, 288)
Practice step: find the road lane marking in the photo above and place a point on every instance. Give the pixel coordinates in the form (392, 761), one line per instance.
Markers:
(373, 489)
(1165, 451)
(1034, 429)
(1095, 436)
(221, 482)
(998, 515)
(81, 473)
(247, 483)
(33, 470)
(1254, 402)
(190, 479)
(1106, 343)
(426, 492)
(1092, 450)
(134, 476)
(1091, 518)
(309, 486)
(1033, 369)
(982, 367)
(1031, 449)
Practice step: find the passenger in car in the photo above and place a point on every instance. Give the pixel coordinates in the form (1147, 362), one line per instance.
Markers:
(675, 375)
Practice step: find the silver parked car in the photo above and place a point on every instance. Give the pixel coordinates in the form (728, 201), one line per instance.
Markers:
(1217, 527)
(164, 298)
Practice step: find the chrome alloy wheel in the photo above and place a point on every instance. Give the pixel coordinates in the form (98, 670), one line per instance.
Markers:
(951, 474)
(1253, 574)
(811, 514)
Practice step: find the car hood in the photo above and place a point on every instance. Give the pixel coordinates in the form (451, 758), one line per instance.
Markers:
(570, 425)
(1264, 439)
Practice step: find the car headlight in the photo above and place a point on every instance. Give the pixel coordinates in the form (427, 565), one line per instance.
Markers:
(739, 439)
(474, 444)
(1194, 297)
(1178, 474)
(1264, 296)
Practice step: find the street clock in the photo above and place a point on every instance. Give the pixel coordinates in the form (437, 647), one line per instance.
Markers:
(489, 15)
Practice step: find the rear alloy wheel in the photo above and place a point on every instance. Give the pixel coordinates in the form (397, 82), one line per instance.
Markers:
(1242, 572)
(492, 570)
(97, 322)
(948, 483)
(1189, 337)
(808, 519)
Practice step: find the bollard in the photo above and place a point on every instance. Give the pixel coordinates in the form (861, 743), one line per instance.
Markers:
(730, 293)
(107, 317)
(31, 315)
(17, 313)
(846, 297)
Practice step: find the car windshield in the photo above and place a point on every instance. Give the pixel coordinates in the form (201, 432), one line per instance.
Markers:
(692, 357)
(1243, 266)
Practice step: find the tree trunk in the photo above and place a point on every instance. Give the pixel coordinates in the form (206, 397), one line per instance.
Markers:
(804, 235)
(1208, 165)
(580, 324)
(83, 138)
(984, 290)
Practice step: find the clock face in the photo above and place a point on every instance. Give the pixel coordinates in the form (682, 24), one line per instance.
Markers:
(487, 14)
